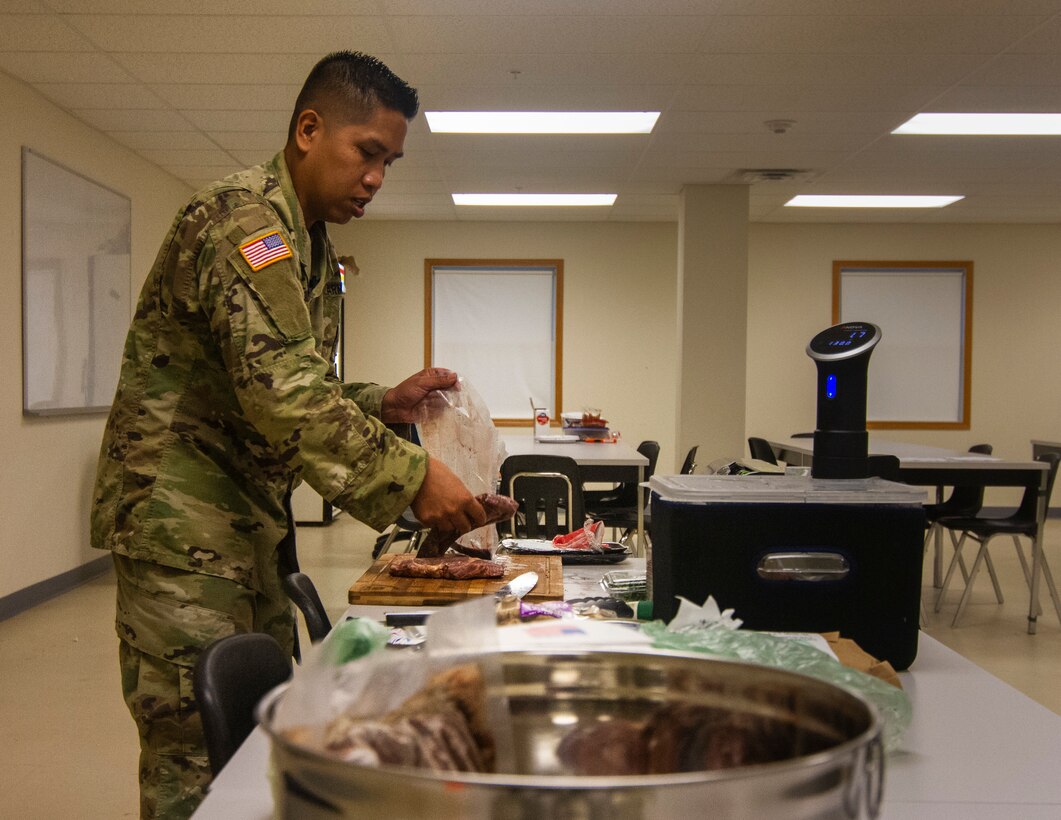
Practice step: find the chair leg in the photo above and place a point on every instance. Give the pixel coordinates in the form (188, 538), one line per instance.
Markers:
(972, 577)
(954, 563)
(1050, 585)
(1028, 572)
(961, 558)
(991, 572)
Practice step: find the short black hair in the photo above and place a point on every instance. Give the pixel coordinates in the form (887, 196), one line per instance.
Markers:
(352, 85)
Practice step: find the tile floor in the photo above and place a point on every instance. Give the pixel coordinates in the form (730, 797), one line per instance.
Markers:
(68, 748)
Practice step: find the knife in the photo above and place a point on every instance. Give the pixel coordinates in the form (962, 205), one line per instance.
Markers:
(518, 586)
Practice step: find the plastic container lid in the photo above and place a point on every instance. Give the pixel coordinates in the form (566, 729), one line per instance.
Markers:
(782, 489)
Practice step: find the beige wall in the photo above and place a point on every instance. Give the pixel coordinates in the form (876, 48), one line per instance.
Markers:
(619, 307)
(45, 482)
(1016, 391)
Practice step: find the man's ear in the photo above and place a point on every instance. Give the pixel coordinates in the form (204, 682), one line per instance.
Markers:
(308, 128)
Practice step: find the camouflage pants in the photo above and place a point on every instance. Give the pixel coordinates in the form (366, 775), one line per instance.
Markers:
(165, 617)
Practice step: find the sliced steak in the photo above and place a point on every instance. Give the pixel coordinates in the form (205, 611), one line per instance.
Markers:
(448, 567)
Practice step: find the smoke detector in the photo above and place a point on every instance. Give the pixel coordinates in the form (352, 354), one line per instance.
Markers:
(753, 175)
(779, 126)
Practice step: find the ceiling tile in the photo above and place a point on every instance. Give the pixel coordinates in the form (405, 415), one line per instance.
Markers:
(865, 34)
(914, 8)
(1010, 98)
(47, 67)
(549, 8)
(547, 35)
(218, 96)
(200, 67)
(170, 157)
(251, 157)
(210, 7)
(132, 119)
(100, 95)
(39, 32)
(138, 140)
(249, 140)
(209, 172)
(276, 121)
(230, 34)
(1017, 69)
(815, 96)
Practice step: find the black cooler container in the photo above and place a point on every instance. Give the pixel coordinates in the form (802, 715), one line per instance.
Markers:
(794, 554)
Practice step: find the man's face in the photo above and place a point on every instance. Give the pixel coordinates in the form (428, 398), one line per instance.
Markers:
(346, 164)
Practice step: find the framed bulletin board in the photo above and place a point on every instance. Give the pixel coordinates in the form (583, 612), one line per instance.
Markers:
(919, 374)
(499, 323)
(75, 289)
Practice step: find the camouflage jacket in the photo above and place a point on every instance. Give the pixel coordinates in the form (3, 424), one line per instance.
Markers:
(227, 399)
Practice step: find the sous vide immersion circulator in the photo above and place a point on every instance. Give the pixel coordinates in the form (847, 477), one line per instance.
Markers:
(841, 443)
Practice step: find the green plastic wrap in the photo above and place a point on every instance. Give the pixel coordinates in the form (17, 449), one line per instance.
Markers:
(770, 650)
(356, 638)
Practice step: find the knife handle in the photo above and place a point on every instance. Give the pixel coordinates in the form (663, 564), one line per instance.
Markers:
(405, 618)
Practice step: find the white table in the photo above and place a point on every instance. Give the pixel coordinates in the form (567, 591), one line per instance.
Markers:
(976, 748)
(936, 466)
(607, 462)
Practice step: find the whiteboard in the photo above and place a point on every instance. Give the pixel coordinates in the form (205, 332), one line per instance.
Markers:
(75, 288)
(499, 326)
(918, 373)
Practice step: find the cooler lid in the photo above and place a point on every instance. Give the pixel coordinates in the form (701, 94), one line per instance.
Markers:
(783, 489)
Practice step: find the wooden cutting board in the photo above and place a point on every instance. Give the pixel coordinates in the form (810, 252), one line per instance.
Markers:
(377, 587)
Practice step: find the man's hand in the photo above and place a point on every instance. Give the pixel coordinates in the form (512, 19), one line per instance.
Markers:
(444, 503)
(408, 401)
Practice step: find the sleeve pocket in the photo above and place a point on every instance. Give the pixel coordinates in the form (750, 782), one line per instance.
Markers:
(278, 294)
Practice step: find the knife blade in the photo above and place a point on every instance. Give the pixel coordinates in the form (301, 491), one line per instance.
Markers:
(518, 586)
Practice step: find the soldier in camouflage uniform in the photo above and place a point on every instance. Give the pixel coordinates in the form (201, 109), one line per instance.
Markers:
(227, 400)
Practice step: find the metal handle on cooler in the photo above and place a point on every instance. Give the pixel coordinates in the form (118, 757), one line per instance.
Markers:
(803, 566)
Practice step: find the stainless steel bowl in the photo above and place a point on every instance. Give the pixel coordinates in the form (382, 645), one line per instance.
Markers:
(835, 769)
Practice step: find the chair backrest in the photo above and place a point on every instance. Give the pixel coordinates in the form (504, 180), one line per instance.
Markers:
(965, 500)
(689, 465)
(1029, 505)
(627, 491)
(230, 677)
(548, 490)
(760, 448)
(303, 594)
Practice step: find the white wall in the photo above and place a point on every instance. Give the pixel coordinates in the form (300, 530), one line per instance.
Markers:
(619, 308)
(46, 479)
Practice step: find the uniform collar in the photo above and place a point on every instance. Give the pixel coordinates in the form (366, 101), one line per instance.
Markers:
(280, 191)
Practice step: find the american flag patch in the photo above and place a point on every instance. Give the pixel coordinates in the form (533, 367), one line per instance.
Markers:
(265, 250)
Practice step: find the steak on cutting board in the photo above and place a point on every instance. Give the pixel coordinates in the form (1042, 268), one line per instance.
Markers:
(448, 567)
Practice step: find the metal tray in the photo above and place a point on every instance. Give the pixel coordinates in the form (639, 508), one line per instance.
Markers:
(614, 553)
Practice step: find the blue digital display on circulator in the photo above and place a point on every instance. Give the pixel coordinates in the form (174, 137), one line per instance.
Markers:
(830, 386)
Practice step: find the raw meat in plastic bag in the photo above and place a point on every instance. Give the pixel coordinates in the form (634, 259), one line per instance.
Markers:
(460, 433)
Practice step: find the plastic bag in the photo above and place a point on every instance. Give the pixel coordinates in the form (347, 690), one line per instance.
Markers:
(324, 689)
(460, 433)
(762, 648)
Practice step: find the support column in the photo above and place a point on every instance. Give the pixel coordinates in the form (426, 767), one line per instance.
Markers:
(712, 321)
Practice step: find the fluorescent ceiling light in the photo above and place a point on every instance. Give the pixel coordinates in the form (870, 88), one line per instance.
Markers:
(1027, 124)
(839, 201)
(534, 200)
(541, 122)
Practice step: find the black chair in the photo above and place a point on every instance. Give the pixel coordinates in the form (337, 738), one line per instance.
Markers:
(548, 490)
(964, 501)
(1024, 521)
(300, 590)
(230, 677)
(600, 502)
(618, 508)
(802, 435)
(760, 448)
(689, 465)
